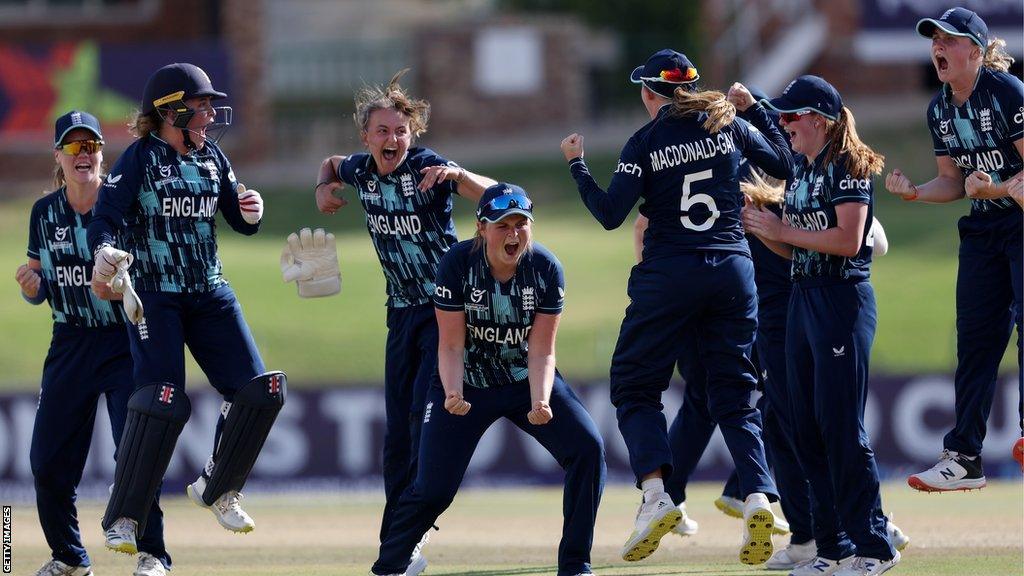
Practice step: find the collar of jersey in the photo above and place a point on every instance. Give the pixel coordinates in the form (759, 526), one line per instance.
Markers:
(947, 90)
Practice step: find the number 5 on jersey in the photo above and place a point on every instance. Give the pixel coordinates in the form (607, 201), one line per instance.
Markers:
(687, 202)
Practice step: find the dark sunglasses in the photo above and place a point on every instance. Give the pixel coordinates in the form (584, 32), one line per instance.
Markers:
(74, 148)
(790, 117)
(504, 202)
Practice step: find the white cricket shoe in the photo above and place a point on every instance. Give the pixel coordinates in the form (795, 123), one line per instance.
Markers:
(120, 537)
(227, 509)
(819, 566)
(58, 568)
(654, 520)
(687, 526)
(417, 561)
(149, 565)
(758, 527)
(896, 536)
(862, 566)
(732, 507)
(792, 555)
(954, 471)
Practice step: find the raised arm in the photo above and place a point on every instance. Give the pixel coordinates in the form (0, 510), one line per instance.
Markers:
(328, 186)
(609, 208)
(948, 186)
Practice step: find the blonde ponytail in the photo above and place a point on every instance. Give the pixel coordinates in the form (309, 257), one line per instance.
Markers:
(720, 111)
(861, 160)
(763, 190)
(996, 57)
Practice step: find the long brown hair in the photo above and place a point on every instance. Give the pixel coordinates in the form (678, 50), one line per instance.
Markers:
(392, 96)
(763, 190)
(145, 124)
(720, 111)
(996, 57)
(842, 138)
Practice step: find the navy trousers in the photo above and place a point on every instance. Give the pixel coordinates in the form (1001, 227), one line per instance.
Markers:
(712, 295)
(829, 334)
(211, 324)
(447, 445)
(82, 365)
(410, 368)
(988, 303)
(692, 428)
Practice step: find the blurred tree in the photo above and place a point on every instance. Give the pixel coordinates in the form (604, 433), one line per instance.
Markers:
(642, 27)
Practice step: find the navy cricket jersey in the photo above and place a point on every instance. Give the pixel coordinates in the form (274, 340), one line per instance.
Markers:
(168, 203)
(410, 230)
(811, 199)
(688, 179)
(979, 135)
(498, 315)
(57, 238)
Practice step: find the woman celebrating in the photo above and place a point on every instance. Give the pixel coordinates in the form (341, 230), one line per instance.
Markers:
(162, 196)
(499, 299)
(406, 193)
(696, 276)
(977, 123)
(831, 323)
(88, 357)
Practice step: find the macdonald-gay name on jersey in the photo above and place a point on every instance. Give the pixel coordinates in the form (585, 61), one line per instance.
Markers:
(676, 154)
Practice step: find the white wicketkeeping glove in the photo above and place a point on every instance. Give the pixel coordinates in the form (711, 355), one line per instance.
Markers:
(120, 281)
(311, 259)
(251, 204)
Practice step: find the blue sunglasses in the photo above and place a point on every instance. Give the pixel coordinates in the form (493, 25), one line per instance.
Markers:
(503, 203)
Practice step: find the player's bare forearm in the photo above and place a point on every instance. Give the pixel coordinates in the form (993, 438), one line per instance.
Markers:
(941, 190)
(451, 369)
(329, 169)
(472, 185)
(639, 227)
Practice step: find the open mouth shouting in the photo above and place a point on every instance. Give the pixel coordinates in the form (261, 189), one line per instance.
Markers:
(941, 63)
(512, 247)
(389, 153)
(83, 167)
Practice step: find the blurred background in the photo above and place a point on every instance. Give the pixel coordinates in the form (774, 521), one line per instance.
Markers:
(507, 79)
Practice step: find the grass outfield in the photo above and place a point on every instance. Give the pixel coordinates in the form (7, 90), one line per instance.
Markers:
(341, 339)
(516, 532)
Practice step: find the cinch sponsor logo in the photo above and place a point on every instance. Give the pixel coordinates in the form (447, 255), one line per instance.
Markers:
(850, 183)
(990, 161)
(73, 275)
(1018, 118)
(629, 167)
(494, 335)
(676, 154)
(442, 292)
(394, 225)
(190, 207)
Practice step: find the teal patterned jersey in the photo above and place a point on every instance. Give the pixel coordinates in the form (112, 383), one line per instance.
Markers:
(499, 315)
(165, 206)
(57, 238)
(410, 230)
(811, 199)
(980, 134)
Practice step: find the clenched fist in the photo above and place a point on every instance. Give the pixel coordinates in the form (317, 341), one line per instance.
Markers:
(572, 146)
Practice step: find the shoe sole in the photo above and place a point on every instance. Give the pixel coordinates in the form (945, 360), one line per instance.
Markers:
(728, 510)
(645, 545)
(197, 499)
(958, 486)
(129, 548)
(758, 547)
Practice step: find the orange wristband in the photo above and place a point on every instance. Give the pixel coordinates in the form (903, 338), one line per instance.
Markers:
(911, 198)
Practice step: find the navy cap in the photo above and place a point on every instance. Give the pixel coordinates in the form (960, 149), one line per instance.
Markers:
(958, 22)
(664, 71)
(72, 120)
(501, 200)
(176, 82)
(809, 93)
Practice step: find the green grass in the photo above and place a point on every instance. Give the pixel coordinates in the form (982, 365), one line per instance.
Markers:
(341, 339)
(516, 532)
